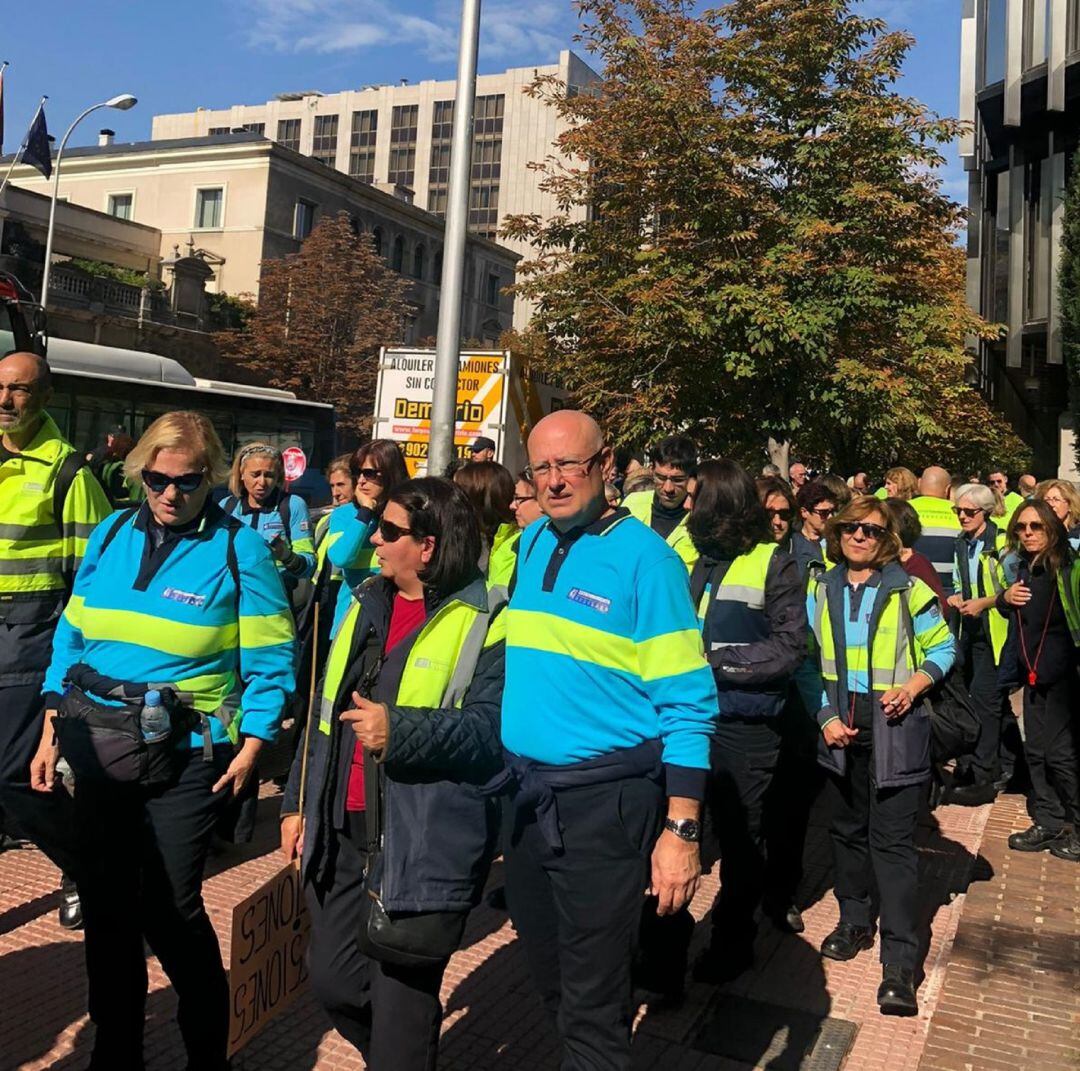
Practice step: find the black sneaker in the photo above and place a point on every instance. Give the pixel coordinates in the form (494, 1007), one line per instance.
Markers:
(1067, 848)
(896, 994)
(973, 795)
(70, 915)
(847, 941)
(1035, 838)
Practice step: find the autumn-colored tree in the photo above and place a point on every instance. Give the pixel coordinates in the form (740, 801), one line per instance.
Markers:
(752, 244)
(321, 317)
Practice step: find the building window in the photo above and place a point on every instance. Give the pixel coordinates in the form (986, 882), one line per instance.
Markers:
(437, 277)
(1037, 195)
(996, 229)
(492, 294)
(486, 165)
(397, 261)
(303, 219)
(418, 262)
(1072, 33)
(215, 131)
(403, 127)
(288, 134)
(442, 128)
(324, 145)
(376, 240)
(994, 44)
(208, 208)
(120, 205)
(365, 128)
(1037, 19)
(255, 128)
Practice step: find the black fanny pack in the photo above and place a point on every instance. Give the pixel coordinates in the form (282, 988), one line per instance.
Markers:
(105, 743)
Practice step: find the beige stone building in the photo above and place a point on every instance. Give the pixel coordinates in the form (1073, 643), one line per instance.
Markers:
(241, 199)
(399, 135)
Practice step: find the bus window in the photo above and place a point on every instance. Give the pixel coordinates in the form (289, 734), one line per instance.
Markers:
(94, 417)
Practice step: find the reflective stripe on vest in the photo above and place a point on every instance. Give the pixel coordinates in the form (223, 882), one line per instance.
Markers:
(890, 660)
(441, 663)
(738, 613)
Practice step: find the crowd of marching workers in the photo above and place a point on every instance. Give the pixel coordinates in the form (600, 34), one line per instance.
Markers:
(602, 669)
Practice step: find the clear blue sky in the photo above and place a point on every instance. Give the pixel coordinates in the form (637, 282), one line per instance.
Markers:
(176, 57)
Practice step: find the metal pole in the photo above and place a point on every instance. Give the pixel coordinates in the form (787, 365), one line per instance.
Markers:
(444, 397)
(52, 203)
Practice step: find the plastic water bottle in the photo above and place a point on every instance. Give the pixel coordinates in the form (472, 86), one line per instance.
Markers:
(154, 719)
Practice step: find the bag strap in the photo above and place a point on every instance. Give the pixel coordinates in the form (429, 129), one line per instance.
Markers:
(121, 519)
(229, 503)
(65, 477)
(284, 512)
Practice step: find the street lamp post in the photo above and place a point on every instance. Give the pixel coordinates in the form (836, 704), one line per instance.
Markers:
(121, 102)
(451, 286)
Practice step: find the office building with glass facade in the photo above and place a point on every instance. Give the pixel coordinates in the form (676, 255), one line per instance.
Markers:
(1020, 90)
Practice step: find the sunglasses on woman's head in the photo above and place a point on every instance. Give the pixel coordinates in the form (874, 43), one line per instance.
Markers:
(967, 511)
(1030, 526)
(390, 532)
(185, 484)
(870, 531)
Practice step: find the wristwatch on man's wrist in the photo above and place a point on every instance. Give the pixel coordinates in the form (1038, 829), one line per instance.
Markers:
(688, 829)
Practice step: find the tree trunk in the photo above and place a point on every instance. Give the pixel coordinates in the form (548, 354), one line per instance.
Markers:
(780, 454)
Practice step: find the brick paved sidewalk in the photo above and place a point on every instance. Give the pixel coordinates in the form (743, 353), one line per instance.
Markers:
(493, 1020)
(1011, 998)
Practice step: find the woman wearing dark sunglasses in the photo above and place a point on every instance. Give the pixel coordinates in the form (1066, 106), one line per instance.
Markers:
(1043, 608)
(875, 734)
(408, 731)
(778, 500)
(377, 467)
(750, 603)
(178, 593)
(979, 571)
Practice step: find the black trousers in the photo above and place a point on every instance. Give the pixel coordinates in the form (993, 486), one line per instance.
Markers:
(578, 912)
(873, 836)
(744, 758)
(391, 1014)
(788, 803)
(1051, 724)
(996, 752)
(48, 819)
(145, 854)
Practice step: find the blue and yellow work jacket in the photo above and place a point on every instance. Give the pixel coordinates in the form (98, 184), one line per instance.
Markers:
(281, 515)
(349, 548)
(172, 612)
(869, 640)
(604, 652)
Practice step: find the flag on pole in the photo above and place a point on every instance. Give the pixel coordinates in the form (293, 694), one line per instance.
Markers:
(37, 151)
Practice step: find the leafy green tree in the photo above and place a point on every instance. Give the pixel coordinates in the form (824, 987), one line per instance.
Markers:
(760, 251)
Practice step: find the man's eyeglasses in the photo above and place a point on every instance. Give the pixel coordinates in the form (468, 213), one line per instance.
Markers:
(185, 484)
(371, 475)
(967, 512)
(873, 532)
(518, 499)
(1031, 526)
(570, 468)
(390, 532)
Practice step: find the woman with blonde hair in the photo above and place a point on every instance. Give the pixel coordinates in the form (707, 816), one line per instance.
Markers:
(259, 500)
(875, 733)
(901, 483)
(174, 658)
(1062, 497)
